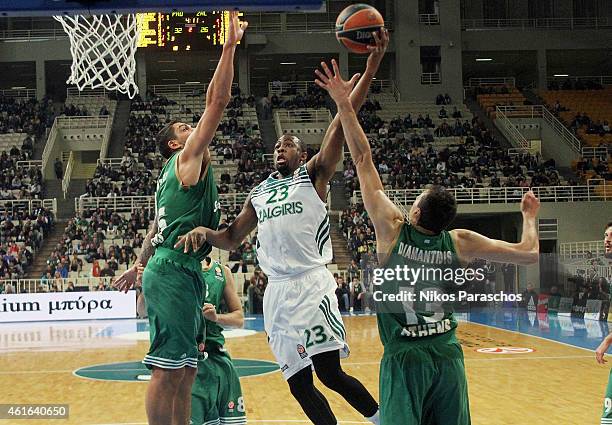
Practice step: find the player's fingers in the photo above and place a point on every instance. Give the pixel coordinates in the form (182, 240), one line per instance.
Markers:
(327, 70)
(244, 25)
(371, 48)
(320, 84)
(321, 76)
(353, 80)
(376, 38)
(336, 69)
(385, 35)
(180, 241)
(187, 243)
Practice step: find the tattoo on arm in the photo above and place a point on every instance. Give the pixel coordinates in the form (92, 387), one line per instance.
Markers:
(147, 250)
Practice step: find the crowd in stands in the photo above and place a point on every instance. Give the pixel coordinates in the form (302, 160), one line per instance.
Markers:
(25, 116)
(130, 179)
(585, 122)
(443, 99)
(71, 110)
(315, 97)
(85, 241)
(574, 85)
(21, 235)
(19, 182)
(406, 158)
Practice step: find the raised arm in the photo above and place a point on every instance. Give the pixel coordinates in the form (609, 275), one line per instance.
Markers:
(234, 316)
(472, 245)
(218, 95)
(229, 238)
(322, 166)
(386, 216)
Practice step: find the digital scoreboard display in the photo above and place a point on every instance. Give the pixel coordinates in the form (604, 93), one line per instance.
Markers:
(182, 31)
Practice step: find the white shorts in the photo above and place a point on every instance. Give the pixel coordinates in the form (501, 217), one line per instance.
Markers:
(301, 318)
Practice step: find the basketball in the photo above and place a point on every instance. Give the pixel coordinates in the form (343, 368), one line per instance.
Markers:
(355, 25)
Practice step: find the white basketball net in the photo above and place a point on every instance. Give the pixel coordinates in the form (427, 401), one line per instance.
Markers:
(103, 51)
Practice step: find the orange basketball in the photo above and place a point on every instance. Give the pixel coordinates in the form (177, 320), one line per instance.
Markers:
(355, 25)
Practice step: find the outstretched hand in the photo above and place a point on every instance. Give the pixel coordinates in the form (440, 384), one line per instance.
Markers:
(338, 89)
(128, 279)
(236, 30)
(192, 240)
(601, 351)
(530, 205)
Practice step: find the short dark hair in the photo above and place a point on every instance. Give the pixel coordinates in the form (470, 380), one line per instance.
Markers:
(164, 136)
(438, 209)
(608, 225)
(208, 260)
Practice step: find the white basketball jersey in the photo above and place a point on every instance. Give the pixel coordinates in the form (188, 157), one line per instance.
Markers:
(292, 225)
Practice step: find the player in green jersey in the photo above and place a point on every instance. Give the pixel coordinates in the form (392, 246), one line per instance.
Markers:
(186, 197)
(422, 376)
(606, 416)
(216, 396)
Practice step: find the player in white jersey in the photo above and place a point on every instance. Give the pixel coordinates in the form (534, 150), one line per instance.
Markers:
(301, 315)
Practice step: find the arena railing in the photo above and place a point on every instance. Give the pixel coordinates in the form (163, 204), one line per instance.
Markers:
(591, 152)
(581, 249)
(68, 174)
(492, 81)
(599, 271)
(429, 18)
(19, 93)
(29, 205)
(8, 36)
(301, 87)
(33, 163)
(187, 89)
(75, 92)
(601, 79)
(540, 23)
(503, 195)
(32, 286)
(510, 129)
(77, 123)
(538, 111)
(307, 115)
(128, 204)
(296, 22)
(283, 118)
(50, 142)
(430, 78)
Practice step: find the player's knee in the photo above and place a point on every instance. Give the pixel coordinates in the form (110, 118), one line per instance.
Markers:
(331, 378)
(300, 386)
(170, 378)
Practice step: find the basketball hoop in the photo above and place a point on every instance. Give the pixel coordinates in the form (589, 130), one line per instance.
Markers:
(103, 49)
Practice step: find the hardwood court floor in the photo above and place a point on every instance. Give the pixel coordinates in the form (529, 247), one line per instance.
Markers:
(554, 384)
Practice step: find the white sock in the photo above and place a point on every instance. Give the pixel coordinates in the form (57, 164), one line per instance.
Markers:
(375, 419)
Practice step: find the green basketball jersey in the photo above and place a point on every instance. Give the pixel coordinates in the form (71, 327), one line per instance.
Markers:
(215, 285)
(180, 209)
(425, 318)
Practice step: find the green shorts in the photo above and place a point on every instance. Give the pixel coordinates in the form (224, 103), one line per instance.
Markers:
(216, 396)
(424, 385)
(606, 416)
(174, 292)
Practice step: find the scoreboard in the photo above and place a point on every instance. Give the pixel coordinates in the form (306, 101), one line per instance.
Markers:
(181, 31)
